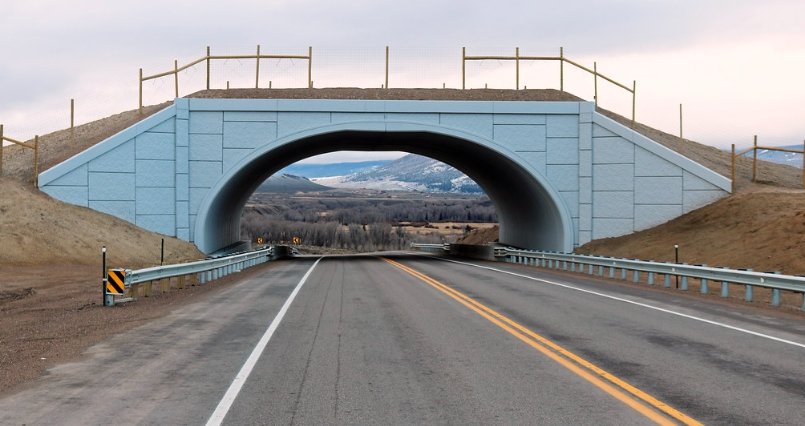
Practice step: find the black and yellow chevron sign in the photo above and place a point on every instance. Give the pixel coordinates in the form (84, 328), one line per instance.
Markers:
(115, 281)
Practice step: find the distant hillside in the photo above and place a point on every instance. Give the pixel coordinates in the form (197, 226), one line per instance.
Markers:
(285, 183)
(409, 173)
(787, 158)
(330, 169)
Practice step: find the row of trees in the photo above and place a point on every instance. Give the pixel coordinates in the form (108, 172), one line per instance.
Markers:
(366, 211)
(371, 237)
(359, 224)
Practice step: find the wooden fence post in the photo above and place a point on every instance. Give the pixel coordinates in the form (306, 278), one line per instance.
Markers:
(733, 169)
(463, 68)
(634, 101)
(257, 73)
(517, 68)
(208, 67)
(140, 108)
(562, 69)
(72, 121)
(36, 161)
(595, 83)
(754, 160)
(387, 67)
(1, 149)
(310, 67)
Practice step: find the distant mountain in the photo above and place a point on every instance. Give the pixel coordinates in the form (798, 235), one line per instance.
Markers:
(331, 169)
(787, 158)
(409, 173)
(285, 183)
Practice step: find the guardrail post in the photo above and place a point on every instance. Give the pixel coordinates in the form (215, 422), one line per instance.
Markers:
(590, 268)
(623, 274)
(600, 270)
(803, 301)
(667, 281)
(703, 287)
(775, 292)
(775, 297)
(612, 271)
(749, 290)
(683, 285)
(572, 266)
(650, 279)
(635, 276)
(725, 289)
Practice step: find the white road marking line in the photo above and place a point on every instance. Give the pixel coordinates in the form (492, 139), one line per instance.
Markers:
(229, 397)
(644, 305)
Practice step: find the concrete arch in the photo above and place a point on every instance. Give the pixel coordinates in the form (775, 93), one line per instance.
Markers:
(531, 212)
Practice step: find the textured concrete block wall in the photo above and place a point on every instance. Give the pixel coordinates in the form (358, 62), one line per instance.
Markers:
(611, 180)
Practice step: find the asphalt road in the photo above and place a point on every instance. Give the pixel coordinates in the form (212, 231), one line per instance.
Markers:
(421, 341)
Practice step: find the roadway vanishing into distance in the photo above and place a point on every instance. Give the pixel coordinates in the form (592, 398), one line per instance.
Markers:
(409, 339)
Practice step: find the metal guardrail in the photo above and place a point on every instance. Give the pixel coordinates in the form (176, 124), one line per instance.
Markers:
(204, 270)
(431, 248)
(681, 273)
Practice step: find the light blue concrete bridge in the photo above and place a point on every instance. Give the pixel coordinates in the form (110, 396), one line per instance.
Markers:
(559, 173)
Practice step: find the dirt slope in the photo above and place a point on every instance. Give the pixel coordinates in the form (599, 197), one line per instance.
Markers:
(763, 230)
(36, 229)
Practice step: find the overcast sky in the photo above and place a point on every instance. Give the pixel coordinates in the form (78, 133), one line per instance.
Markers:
(736, 65)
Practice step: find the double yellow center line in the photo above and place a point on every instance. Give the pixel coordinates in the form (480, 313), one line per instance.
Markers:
(633, 397)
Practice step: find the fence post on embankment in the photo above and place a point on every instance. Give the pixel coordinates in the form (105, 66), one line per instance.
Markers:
(1, 149)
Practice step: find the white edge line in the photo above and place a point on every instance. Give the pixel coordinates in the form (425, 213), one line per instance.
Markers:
(644, 305)
(229, 397)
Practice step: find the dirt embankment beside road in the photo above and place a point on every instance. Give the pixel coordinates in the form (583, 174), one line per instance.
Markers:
(38, 230)
(763, 230)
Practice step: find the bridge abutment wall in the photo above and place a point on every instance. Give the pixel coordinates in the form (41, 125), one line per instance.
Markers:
(603, 179)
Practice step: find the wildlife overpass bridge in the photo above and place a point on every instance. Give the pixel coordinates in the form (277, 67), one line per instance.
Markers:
(559, 173)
